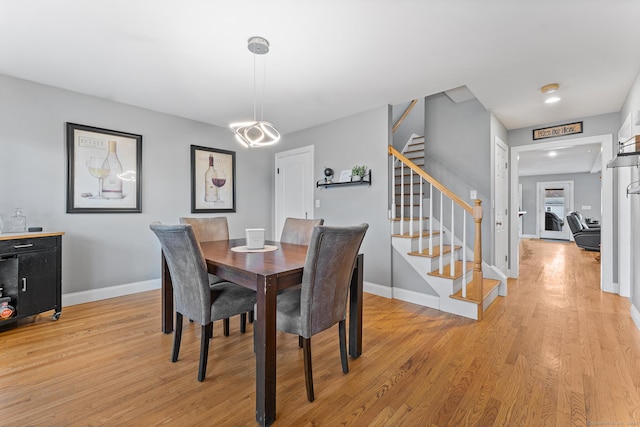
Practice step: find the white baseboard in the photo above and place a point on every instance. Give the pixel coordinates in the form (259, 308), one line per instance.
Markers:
(424, 300)
(529, 236)
(413, 297)
(109, 292)
(635, 316)
(375, 289)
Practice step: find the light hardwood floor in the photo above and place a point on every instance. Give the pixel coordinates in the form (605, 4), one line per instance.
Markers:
(556, 351)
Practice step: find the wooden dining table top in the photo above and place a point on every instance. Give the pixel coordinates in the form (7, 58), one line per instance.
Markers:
(286, 262)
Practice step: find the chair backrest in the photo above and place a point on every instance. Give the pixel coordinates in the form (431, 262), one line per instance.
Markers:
(188, 270)
(298, 231)
(327, 275)
(574, 223)
(581, 219)
(208, 229)
(552, 222)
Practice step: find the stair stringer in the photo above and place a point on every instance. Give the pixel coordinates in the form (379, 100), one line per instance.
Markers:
(442, 287)
(488, 271)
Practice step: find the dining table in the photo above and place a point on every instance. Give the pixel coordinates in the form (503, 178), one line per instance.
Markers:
(266, 272)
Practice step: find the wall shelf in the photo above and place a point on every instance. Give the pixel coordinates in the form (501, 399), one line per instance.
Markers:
(366, 180)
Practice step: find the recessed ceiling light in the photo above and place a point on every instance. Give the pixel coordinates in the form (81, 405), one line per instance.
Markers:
(552, 100)
(550, 88)
(552, 154)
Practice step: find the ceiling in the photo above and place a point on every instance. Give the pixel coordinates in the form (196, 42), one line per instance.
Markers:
(329, 59)
(560, 160)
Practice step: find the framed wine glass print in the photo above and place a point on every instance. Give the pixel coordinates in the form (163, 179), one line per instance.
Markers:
(213, 180)
(103, 170)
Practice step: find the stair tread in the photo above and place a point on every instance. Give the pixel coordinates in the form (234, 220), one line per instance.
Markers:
(408, 219)
(436, 251)
(446, 273)
(425, 233)
(488, 285)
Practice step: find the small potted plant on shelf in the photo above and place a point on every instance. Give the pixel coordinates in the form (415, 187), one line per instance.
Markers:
(358, 172)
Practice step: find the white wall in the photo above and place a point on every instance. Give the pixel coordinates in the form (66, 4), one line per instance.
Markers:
(632, 105)
(359, 139)
(103, 250)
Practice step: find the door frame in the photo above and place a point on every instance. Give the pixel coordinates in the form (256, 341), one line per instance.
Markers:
(302, 150)
(540, 186)
(606, 203)
(507, 226)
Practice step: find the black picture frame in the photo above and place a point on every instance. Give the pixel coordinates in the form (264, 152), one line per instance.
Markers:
(86, 172)
(205, 196)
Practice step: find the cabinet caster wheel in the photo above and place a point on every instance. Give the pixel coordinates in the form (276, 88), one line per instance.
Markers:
(55, 316)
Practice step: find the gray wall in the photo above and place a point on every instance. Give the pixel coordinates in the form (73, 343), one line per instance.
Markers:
(586, 192)
(341, 144)
(592, 126)
(413, 123)
(101, 250)
(458, 154)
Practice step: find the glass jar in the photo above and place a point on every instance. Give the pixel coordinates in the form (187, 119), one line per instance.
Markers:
(18, 221)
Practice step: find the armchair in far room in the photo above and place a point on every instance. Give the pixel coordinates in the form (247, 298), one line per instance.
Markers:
(584, 222)
(552, 222)
(586, 238)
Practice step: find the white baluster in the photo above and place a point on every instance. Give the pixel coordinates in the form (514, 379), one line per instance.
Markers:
(452, 240)
(464, 255)
(420, 227)
(430, 219)
(393, 193)
(411, 202)
(440, 258)
(401, 198)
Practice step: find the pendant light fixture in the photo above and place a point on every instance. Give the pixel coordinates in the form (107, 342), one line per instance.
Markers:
(257, 133)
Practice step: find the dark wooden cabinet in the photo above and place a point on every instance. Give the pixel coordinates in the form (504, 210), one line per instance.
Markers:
(30, 274)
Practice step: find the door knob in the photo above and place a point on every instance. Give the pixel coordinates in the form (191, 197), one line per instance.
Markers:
(498, 223)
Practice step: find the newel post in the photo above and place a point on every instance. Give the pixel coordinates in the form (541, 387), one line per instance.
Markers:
(477, 255)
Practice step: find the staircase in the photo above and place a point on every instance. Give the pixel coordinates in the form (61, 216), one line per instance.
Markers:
(429, 229)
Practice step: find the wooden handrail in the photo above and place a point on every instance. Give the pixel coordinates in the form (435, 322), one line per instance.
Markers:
(404, 115)
(464, 205)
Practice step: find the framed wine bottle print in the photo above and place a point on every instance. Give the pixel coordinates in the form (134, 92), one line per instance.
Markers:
(103, 170)
(213, 180)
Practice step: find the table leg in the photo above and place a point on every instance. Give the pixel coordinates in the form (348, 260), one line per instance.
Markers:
(355, 309)
(265, 336)
(167, 298)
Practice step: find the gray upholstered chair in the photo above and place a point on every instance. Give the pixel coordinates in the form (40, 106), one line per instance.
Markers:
(298, 231)
(210, 229)
(207, 229)
(194, 297)
(321, 302)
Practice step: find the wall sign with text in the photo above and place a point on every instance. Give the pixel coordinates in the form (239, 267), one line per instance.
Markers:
(560, 130)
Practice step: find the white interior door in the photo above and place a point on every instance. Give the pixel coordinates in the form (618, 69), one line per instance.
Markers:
(555, 201)
(501, 210)
(294, 186)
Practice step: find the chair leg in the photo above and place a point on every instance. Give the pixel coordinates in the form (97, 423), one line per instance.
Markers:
(243, 323)
(204, 350)
(308, 374)
(251, 316)
(225, 322)
(177, 336)
(300, 341)
(343, 346)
